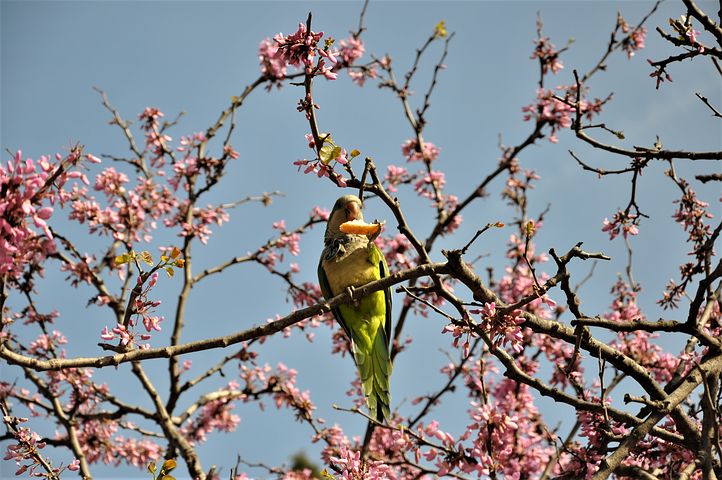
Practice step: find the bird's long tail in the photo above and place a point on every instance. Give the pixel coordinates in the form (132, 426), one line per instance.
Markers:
(375, 371)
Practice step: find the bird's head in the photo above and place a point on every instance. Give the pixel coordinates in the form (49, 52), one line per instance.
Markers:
(346, 208)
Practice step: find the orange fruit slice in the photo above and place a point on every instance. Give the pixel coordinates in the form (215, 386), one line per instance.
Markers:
(359, 227)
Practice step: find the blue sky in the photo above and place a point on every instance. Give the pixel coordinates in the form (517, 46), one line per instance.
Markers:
(193, 56)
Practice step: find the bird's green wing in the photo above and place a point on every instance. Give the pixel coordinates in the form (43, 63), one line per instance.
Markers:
(376, 257)
(380, 399)
(328, 295)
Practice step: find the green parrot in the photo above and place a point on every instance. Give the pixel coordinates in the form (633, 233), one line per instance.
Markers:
(350, 260)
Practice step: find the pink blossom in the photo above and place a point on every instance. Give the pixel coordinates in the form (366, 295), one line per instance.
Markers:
(25, 236)
(320, 213)
(311, 141)
(634, 42)
(228, 150)
(623, 222)
(215, 415)
(92, 159)
(351, 50)
(394, 176)
(361, 74)
(430, 183)
(106, 334)
(548, 56)
(152, 323)
(352, 468)
(396, 250)
(151, 114)
(273, 65)
(413, 153)
(550, 111)
(301, 49)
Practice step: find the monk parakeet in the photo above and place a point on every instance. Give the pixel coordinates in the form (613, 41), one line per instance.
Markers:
(352, 260)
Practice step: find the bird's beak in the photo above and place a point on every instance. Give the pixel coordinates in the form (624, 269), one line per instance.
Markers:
(353, 211)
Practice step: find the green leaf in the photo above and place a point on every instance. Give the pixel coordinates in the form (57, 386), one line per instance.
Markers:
(122, 259)
(146, 256)
(336, 152)
(326, 154)
(440, 30)
(169, 271)
(151, 467)
(168, 465)
(355, 153)
(530, 228)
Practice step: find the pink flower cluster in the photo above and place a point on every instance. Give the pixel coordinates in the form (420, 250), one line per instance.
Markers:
(350, 50)
(428, 184)
(155, 140)
(80, 271)
(622, 222)
(299, 49)
(111, 183)
(280, 384)
(427, 153)
(691, 214)
(24, 451)
(319, 213)
(503, 328)
(215, 415)
(329, 157)
(548, 56)
(634, 39)
(637, 344)
(31, 316)
(396, 176)
(507, 427)
(274, 252)
(202, 219)
(285, 392)
(397, 249)
(30, 189)
(691, 35)
(143, 309)
(101, 444)
(273, 65)
(131, 214)
(305, 474)
(549, 111)
(450, 202)
(353, 468)
(45, 344)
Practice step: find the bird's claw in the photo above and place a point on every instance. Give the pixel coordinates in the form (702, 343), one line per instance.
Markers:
(350, 292)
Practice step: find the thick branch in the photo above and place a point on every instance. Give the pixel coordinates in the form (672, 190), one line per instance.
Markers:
(221, 342)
